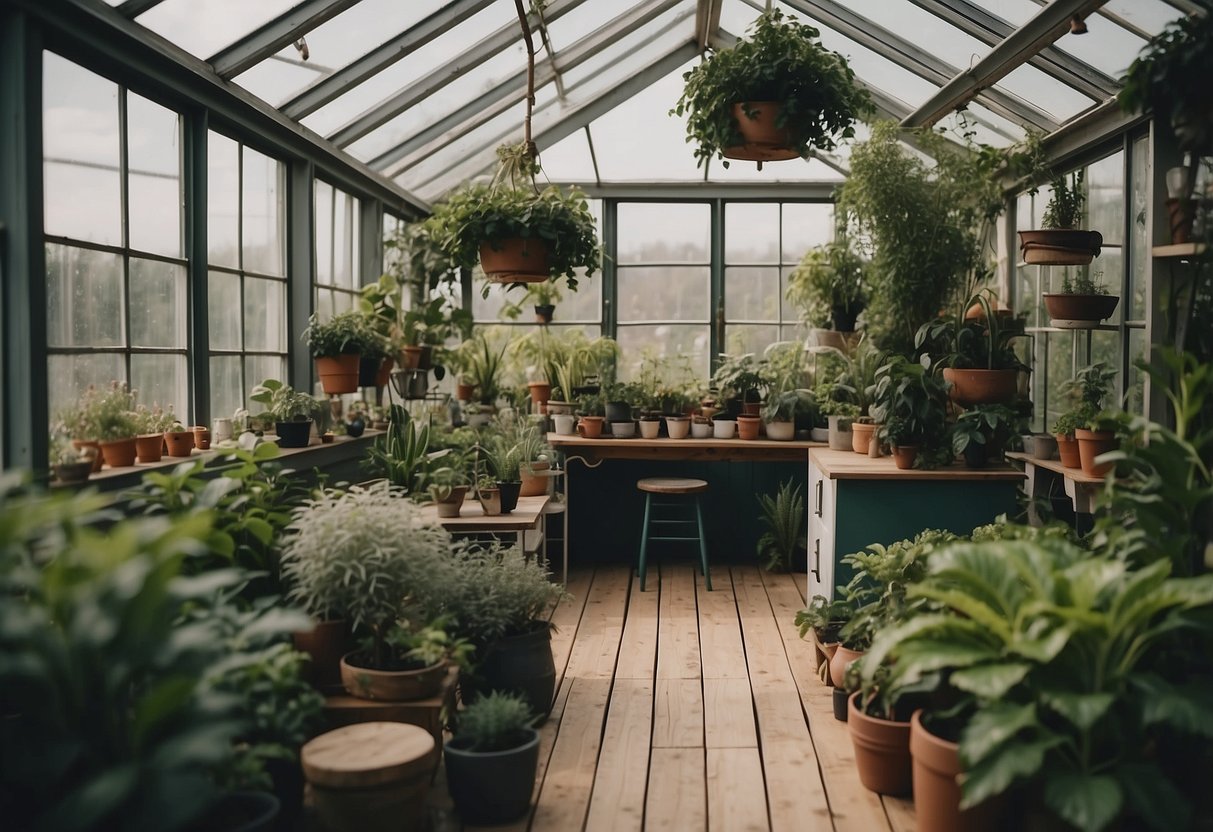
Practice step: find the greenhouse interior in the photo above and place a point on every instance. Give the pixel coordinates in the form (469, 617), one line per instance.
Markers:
(397, 437)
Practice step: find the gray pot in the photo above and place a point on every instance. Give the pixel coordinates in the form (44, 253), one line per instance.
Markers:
(840, 433)
(623, 430)
(1044, 446)
(820, 434)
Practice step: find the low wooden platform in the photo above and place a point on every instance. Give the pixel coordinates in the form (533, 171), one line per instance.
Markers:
(682, 709)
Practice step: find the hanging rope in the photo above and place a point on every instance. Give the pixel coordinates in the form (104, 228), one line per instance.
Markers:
(531, 149)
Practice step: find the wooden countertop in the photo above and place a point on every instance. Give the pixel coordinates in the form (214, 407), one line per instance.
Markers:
(848, 465)
(1054, 465)
(472, 517)
(726, 450)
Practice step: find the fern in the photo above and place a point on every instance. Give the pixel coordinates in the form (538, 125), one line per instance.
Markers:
(784, 516)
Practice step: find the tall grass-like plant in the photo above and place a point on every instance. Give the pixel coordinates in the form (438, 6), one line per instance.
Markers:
(783, 515)
(369, 556)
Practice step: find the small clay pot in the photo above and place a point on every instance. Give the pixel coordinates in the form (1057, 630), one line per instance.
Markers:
(179, 443)
(202, 437)
(971, 387)
(119, 453)
(453, 503)
(882, 751)
(904, 456)
(861, 436)
(748, 427)
(1067, 451)
(839, 662)
(149, 447)
(590, 427)
(1092, 443)
(936, 772)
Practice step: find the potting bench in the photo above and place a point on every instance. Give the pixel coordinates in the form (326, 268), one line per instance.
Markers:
(527, 516)
(1041, 473)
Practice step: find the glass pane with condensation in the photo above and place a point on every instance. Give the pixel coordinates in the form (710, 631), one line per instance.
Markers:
(203, 27)
(681, 342)
(153, 138)
(68, 376)
(663, 232)
(222, 200)
(751, 293)
(263, 213)
(264, 314)
(224, 310)
(740, 339)
(341, 238)
(81, 158)
(227, 385)
(751, 232)
(568, 160)
(258, 368)
(663, 293)
(1139, 239)
(805, 224)
(83, 297)
(324, 233)
(1106, 197)
(1015, 12)
(158, 304)
(162, 379)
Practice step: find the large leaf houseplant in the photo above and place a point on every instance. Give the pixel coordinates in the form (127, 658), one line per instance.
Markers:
(777, 94)
(1170, 80)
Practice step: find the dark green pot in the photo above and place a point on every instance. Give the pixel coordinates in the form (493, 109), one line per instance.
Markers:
(495, 786)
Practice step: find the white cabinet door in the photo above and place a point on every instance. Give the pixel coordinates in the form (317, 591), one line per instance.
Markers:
(821, 533)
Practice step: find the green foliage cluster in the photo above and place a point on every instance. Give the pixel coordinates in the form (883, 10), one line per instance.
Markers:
(102, 415)
(496, 722)
(498, 592)
(285, 404)
(910, 404)
(346, 333)
(1064, 209)
(829, 286)
(510, 444)
(988, 425)
(1170, 76)
(780, 60)
(1086, 392)
(783, 516)
(983, 343)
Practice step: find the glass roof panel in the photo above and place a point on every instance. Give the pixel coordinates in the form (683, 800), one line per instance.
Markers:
(568, 160)
(405, 72)
(1106, 46)
(1059, 100)
(1015, 12)
(624, 51)
(334, 44)
(1009, 130)
(203, 27)
(792, 170)
(923, 29)
(1151, 15)
(586, 18)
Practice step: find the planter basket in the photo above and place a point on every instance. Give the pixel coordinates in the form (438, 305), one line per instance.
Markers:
(762, 141)
(970, 387)
(515, 260)
(1059, 246)
(1090, 309)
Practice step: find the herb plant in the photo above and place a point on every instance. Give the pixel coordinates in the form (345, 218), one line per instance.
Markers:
(498, 592)
(496, 722)
(285, 404)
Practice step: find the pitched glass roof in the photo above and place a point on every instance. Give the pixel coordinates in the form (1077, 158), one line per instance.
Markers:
(423, 91)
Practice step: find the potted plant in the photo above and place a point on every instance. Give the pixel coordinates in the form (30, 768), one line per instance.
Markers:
(1082, 302)
(448, 486)
(911, 403)
(1086, 393)
(1060, 242)
(482, 362)
(780, 546)
(742, 381)
(780, 413)
(829, 287)
(515, 231)
(104, 420)
(777, 94)
(501, 601)
(824, 618)
(1168, 80)
(981, 433)
(504, 459)
(838, 414)
(291, 412)
(179, 440)
(70, 466)
(152, 424)
(976, 354)
(334, 345)
(367, 556)
(542, 296)
(1099, 436)
(491, 759)
(592, 413)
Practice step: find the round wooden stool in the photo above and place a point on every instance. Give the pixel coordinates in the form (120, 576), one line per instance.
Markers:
(370, 777)
(675, 488)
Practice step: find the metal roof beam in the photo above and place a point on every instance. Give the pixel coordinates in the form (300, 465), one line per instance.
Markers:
(980, 24)
(282, 31)
(501, 97)
(456, 68)
(707, 21)
(380, 58)
(134, 8)
(1013, 51)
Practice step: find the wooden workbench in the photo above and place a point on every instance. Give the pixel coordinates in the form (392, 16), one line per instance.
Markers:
(1079, 487)
(692, 450)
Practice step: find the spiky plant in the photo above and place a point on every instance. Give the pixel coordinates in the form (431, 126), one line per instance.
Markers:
(784, 516)
(496, 722)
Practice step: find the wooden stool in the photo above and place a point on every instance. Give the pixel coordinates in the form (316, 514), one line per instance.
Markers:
(678, 487)
(371, 777)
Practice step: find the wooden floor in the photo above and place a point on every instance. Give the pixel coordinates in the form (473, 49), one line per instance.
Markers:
(683, 709)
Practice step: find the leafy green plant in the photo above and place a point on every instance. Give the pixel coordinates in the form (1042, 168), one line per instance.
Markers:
(498, 592)
(1083, 284)
(425, 646)
(975, 344)
(784, 407)
(367, 555)
(911, 403)
(402, 454)
(1086, 392)
(829, 286)
(781, 60)
(988, 425)
(546, 293)
(481, 360)
(741, 377)
(825, 616)
(1064, 208)
(496, 722)
(285, 404)
(511, 445)
(1169, 78)
(591, 404)
(342, 334)
(102, 416)
(783, 516)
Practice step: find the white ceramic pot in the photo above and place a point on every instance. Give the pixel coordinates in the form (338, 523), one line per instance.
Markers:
(781, 431)
(678, 426)
(840, 433)
(649, 428)
(565, 423)
(724, 428)
(623, 430)
(820, 434)
(222, 431)
(701, 430)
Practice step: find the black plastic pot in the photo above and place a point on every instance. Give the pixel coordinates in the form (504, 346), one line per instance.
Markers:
(294, 434)
(618, 412)
(355, 427)
(244, 811)
(287, 777)
(843, 317)
(368, 369)
(495, 786)
(841, 695)
(544, 312)
(519, 664)
(976, 455)
(509, 495)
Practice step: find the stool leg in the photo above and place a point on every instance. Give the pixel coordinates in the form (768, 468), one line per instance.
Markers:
(644, 538)
(703, 546)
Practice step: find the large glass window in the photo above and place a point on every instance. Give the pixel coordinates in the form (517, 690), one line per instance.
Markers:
(338, 269)
(117, 290)
(246, 255)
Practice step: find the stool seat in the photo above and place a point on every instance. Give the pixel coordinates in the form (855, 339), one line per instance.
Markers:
(672, 485)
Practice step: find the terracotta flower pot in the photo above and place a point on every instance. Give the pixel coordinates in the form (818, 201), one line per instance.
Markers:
(971, 387)
(751, 408)
(541, 391)
(149, 447)
(904, 456)
(465, 392)
(98, 457)
(747, 427)
(515, 260)
(861, 436)
(839, 661)
(1072, 307)
(325, 643)
(338, 373)
(534, 484)
(410, 357)
(762, 140)
(390, 685)
(1067, 451)
(120, 453)
(453, 503)
(882, 751)
(202, 437)
(1092, 443)
(590, 427)
(179, 443)
(936, 773)
(1059, 246)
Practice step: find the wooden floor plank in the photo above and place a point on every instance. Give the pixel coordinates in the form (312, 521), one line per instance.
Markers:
(796, 794)
(638, 650)
(567, 617)
(621, 779)
(596, 648)
(853, 808)
(736, 797)
(722, 653)
(678, 625)
(678, 713)
(677, 799)
(728, 714)
(900, 812)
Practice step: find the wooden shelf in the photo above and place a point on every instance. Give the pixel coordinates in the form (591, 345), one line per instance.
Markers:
(1179, 250)
(848, 465)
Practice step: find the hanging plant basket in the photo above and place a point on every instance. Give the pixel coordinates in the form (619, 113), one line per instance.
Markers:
(1059, 246)
(515, 260)
(764, 140)
(1075, 311)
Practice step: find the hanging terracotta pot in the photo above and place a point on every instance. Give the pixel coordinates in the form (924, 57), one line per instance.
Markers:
(970, 387)
(882, 751)
(1092, 443)
(936, 773)
(1059, 246)
(119, 453)
(515, 260)
(904, 456)
(1067, 451)
(338, 373)
(1086, 308)
(762, 139)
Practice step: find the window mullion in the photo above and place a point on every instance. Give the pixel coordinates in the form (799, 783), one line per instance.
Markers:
(194, 171)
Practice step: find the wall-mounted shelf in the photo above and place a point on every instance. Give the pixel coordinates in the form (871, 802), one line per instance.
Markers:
(1058, 323)
(1179, 250)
